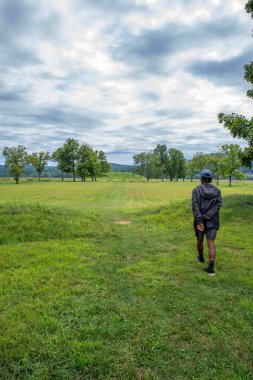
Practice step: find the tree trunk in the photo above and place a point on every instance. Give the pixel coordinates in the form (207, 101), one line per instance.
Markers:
(217, 182)
(230, 180)
(62, 176)
(39, 176)
(16, 179)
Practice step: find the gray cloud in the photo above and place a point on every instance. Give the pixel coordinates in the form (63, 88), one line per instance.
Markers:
(122, 151)
(112, 7)
(227, 72)
(174, 113)
(150, 96)
(7, 135)
(20, 18)
(17, 14)
(151, 49)
(9, 96)
(20, 25)
(58, 116)
(213, 130)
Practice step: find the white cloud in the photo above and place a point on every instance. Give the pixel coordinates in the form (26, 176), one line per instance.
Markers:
(122, 78)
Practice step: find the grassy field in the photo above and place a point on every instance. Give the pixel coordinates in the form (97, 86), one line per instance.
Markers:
(110, 196)
(83, 297)
(111, 176)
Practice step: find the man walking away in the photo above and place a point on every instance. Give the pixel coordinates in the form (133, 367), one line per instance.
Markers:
(206, 203)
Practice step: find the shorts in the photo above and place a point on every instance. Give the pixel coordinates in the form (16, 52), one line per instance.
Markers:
(209, 232)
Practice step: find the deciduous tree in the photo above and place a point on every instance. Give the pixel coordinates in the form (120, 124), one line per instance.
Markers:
(15, 160)
(39, 161)
(146, 164)
(162, 152)
(215, 165)
(105, 167)
(231, 162)
(59, 157)
(95, 166)
(175, 165)
(190, 169)
(85, 161)
(71, 155)
(199, 161)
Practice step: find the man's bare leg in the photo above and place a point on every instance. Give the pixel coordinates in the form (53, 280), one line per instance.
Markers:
(200, 247)
(211, 250)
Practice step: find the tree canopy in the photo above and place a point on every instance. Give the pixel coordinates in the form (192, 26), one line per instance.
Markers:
(15, 160)
(39, 161)
(147, 164)
(230, 162)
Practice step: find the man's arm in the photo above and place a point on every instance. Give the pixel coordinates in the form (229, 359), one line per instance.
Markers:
(210, 213)
(195, 208)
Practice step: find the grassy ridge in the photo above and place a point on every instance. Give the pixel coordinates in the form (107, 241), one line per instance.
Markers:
(23, 222)
(85, 298)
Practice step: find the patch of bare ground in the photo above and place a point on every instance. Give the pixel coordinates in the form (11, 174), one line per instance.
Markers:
(123, 222)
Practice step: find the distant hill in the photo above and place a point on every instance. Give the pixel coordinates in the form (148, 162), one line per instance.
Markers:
(53, 172)
(122, 168)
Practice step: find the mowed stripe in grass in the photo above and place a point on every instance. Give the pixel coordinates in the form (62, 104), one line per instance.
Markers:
(97, 194)
(110, 195)
(84, 298)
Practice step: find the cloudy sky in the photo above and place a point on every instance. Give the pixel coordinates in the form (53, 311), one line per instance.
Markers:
(122, 75)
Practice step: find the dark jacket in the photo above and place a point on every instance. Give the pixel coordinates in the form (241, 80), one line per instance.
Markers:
(206, 202)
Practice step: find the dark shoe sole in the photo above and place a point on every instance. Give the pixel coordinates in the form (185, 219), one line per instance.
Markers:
(210, 274)
(201, 262)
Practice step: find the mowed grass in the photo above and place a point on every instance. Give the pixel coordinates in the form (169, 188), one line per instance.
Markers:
(111, 176)
(85, 298)
(110, 195)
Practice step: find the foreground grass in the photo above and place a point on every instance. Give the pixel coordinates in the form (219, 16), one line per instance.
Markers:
(84, 298)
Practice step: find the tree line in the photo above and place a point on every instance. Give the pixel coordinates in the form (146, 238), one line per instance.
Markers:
(163, 163)
(75, 158)
(80, 160)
